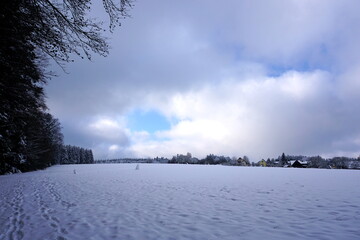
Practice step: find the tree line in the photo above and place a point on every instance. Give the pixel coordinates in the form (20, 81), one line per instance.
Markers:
(311, 162)
(32, 33)
(210, 159)
(281, 161)
(76, 155)
(41, 157)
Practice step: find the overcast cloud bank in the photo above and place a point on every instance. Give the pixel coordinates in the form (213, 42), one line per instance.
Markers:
(241, 78)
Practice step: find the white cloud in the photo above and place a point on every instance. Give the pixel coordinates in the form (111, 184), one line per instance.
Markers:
(259, 117)
(304, 86)
(241, 77)
(113, 148)
(107, 128)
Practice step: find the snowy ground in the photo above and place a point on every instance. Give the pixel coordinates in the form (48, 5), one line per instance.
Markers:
(180, 202)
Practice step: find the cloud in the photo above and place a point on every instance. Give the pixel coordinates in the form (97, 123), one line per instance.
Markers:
(241, 77)
(296, 113)
(106, 128)
(114, 147)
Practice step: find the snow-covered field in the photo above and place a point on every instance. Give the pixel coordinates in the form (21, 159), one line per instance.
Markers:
(115, 201)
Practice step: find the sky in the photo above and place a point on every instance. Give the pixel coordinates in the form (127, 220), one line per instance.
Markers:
(240, 77)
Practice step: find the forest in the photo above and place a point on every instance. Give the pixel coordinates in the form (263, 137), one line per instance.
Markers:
(35, 34)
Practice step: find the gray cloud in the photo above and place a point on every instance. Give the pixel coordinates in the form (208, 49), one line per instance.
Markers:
(210, 64)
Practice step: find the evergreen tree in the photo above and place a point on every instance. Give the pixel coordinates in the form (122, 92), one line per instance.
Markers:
(283, 160)
(91, 157)
(76, 155)
(21, 93)
(64, 158)
(31, 31)
(44, 142)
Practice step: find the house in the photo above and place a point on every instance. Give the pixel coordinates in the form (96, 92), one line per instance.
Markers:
(243, 161)
(298, 164)
(262, 163)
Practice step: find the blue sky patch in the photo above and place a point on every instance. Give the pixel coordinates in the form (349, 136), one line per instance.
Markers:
(150, 121)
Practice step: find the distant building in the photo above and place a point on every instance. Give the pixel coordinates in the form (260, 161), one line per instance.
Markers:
(262, 163)
(243, 161)
(298, 164)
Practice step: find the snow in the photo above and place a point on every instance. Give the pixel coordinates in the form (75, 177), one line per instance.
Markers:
(163, 201)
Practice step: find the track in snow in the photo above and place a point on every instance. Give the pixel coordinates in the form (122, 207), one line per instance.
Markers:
(179, 202)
